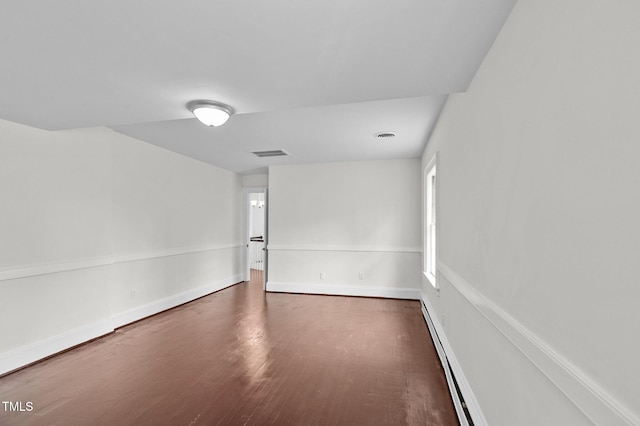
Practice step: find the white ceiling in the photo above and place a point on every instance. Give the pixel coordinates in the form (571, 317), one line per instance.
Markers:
(317, 79)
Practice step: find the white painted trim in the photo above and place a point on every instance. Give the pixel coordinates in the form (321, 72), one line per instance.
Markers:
(33, 352)
(52, 268)
(172, 301)
(463, 384)
(94, 262)
(431, 279)
(344, 290)
(457, 403)
(594, 401)
(355, 248)
(178, 251)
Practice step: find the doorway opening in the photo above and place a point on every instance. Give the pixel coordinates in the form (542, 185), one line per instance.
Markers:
(256, 236)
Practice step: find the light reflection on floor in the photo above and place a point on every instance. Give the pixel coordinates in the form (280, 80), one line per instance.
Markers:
(253, 336)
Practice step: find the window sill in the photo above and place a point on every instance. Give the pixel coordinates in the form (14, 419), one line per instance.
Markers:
(430, 278)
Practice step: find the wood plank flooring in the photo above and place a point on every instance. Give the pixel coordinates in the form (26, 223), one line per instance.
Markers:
(244, 357)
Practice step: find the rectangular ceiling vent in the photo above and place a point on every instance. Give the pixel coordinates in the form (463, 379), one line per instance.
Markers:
(272, 153)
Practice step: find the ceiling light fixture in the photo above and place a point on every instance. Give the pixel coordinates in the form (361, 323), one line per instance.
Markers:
(210, 113)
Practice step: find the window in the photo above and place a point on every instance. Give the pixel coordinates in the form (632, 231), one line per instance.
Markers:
(430, 222)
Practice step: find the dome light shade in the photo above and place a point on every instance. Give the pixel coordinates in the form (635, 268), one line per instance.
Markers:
(210, 113)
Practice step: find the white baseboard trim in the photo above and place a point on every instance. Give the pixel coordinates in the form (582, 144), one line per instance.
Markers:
(344, 290)
(595, 402)
(36, 351)
(152, 308)
(448, 358)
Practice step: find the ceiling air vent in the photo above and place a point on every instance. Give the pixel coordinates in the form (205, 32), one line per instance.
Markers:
(272, 153)
(385, 135)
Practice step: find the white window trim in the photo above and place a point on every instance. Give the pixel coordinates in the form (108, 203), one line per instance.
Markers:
(429, 222)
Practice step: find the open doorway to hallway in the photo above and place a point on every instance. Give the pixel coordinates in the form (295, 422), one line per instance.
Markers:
(256, 236)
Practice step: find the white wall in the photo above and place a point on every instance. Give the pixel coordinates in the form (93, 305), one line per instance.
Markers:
(341, 219)
(98, 230)
(538, 235)
(256, 181)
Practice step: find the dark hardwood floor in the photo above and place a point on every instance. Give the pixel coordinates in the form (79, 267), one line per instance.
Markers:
(244, 357)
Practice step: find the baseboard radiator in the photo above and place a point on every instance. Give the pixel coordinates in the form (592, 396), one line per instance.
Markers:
(465, 417)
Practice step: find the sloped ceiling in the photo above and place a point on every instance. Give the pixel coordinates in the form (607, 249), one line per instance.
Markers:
(316, 78)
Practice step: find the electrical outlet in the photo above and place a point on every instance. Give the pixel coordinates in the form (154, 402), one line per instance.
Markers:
(361, 276)
(322, 275)
(133, 294)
